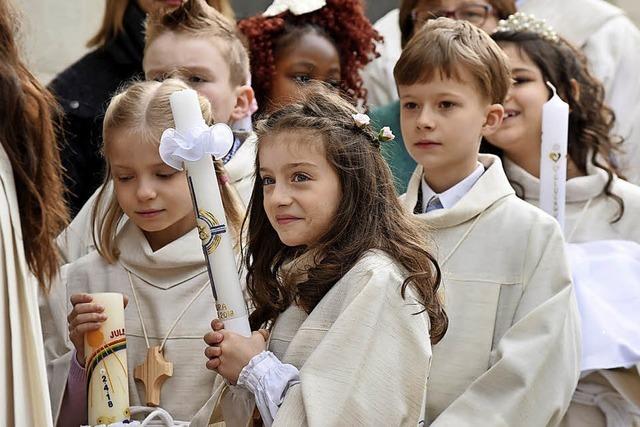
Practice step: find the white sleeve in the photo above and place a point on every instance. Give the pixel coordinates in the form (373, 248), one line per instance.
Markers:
(268, 379)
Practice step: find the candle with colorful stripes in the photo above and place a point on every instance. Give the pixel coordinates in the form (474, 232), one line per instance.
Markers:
(106, 364)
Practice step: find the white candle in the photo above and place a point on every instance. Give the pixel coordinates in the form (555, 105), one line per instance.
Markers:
(553, 156)
(217, 245)
(106, 363)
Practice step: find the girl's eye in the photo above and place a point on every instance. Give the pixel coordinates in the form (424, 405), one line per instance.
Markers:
(267, 180)
(196, 79)
(302, 79)
(124, 178)
(520, 80)
(166, 175)
(299, 177)
(446, 105)
(410, 106)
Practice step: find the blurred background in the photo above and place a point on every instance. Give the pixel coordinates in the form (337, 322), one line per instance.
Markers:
(54, 32)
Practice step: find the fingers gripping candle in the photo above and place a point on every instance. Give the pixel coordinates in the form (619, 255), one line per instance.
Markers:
(106, 362)
(553, 156)
(191, 145)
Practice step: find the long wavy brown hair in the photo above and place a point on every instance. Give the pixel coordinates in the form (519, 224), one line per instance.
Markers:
(590, 119)
(342, 22)
(369, 217)
(27, 134)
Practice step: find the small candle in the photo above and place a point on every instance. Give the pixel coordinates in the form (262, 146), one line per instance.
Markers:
(211, 221)
(106, 363)
(553, 156)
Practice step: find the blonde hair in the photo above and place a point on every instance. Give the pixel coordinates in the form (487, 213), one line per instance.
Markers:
(112, 21)
(451, 48)
(197, 18)
(143, 108)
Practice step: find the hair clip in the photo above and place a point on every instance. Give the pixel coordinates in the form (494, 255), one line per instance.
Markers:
(296, 7)
(521, 22)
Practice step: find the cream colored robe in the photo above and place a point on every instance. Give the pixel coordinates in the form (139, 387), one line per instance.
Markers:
(165, 281)
(363, 354)
(511, 354)
(588, 217)
(23, 381)
(76, 240)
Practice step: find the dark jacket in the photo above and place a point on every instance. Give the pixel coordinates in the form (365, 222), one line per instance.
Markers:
(84, 90)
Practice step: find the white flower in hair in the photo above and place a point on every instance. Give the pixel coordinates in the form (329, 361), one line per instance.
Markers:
(296, 7)
(385, 134)
(361, 120)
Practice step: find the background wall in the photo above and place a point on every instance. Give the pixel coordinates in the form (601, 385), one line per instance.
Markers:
(54, 32)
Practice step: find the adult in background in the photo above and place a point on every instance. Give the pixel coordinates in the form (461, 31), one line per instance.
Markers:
(85, 88)
(30, 219)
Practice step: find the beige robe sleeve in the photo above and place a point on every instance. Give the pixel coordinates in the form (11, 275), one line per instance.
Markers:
(370, 368)
(23, 381)
(58, 348)
(536, 363)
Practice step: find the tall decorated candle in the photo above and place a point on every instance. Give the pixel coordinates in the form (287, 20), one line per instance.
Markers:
(106, 363)
(553, 158)
(191, 146)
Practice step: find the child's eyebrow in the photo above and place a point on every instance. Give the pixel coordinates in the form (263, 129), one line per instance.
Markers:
(298, 164)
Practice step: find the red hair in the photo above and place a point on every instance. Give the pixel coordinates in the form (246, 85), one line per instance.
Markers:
(343, 22)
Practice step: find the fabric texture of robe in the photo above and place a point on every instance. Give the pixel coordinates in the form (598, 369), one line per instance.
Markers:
(512, 352)
(588, 217)
(165, 281)
(363, 353)
(23, 376)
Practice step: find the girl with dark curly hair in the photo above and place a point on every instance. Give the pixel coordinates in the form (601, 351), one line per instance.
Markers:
(600, 206)
(288, 48)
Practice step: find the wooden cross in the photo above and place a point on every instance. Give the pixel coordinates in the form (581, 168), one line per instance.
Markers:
(153, 373)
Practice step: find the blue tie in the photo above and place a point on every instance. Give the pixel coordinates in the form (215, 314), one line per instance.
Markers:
(433, 204)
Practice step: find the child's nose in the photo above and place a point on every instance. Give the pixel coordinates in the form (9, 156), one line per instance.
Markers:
(425, 119)
(280, 196)
(146, 191)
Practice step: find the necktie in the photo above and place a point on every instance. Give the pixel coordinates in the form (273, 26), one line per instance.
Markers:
(433, 204)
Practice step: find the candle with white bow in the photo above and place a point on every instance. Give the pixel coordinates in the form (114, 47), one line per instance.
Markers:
(105, 352)
(191, 145)
(553, 156)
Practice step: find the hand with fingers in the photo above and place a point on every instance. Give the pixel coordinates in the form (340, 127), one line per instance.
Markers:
(228, 352)
(85, 316)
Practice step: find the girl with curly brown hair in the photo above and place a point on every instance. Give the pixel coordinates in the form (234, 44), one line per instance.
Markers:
(337, 272)
(32, 213)
(288, 48)
(600, 205)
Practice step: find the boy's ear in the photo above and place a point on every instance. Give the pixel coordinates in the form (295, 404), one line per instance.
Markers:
(494, 116)
(244, 99)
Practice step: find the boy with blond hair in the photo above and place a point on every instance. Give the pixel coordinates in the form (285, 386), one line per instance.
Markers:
(200, 45)
(511, 354)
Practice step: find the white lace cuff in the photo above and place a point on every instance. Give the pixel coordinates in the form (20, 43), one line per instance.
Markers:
(268, 379)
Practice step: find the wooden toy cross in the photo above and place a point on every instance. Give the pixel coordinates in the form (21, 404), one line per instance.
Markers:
(153, 373)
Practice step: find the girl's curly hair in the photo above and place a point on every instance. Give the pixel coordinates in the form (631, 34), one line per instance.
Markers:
(590, 119)
(343, 22)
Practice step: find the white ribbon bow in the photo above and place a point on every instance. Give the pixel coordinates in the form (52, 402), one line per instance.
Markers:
(176, 147)
(296, 7)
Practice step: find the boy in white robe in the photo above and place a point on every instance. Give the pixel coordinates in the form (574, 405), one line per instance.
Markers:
(511, 355)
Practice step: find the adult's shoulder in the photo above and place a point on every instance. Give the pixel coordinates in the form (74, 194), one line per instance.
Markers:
(84, 87)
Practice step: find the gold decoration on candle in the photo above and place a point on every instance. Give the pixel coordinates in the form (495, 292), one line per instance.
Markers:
(209, 230)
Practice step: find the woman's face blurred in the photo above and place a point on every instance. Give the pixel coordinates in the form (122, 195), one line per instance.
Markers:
(478, 12)
(150, 6)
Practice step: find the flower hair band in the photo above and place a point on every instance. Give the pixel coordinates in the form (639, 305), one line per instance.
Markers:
(362, 120)
(296, 7)
(521, 22)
